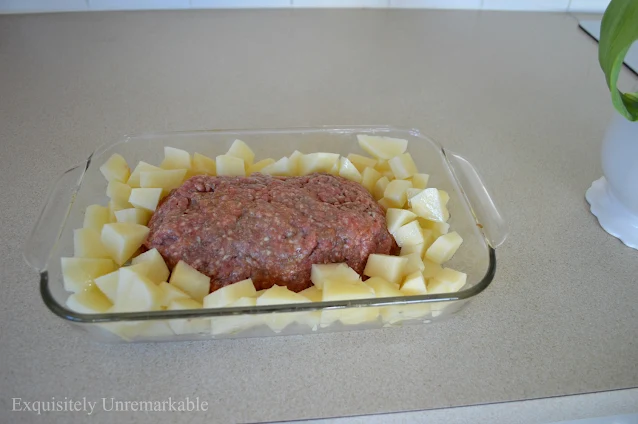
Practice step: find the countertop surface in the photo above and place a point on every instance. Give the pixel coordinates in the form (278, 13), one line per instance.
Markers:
(519, 94)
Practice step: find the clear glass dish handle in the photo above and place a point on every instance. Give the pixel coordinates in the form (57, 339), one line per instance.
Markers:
(50, 222)
(485, 211)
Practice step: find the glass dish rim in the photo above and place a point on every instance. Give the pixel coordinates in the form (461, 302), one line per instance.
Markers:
(104, 318)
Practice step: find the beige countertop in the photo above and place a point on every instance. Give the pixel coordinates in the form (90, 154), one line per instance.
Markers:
(520, 95)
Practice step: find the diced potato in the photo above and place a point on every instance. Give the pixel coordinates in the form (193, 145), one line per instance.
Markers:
(395, 313)
(166, 180)
(427, 204)
(388, 267)
(78, 272)
(203, 165)
(127, 274)
(313, 293)
(230, 165)
(191, 281)
(277, 295)
(428, 237)
(361, 162)
(414, 284)
(444, 247)
(335, 169)
(419, 249)
(383, 288)
(191, 325)
(403, 166)
(134, 179)
(240, 150)
(116, 169)
(385, 204)
(136, 292)
(176, 159)
(409, 234)
(237, 323)
(319, 273)
(447, 281)
(122, 239)
(415, 263)
(411, 192)
(89, 301)
(348, 171)
(145, 198)
(382, 147)
(369, 178)
(294, 163)
(430, 269)
(119, 194)
(281, 167)
(257, 167)
(223, 297)
(380, 187)
(420, 181)
(168, 293)
(437, 228)
(96, 216)
(317, 162)
(383, 167)
(114, 208)
(389, 175)
(133, 216)
(340, 290)
(395, 192)
(395, 218)
(108, 284)
(87, 244)
(158, 271)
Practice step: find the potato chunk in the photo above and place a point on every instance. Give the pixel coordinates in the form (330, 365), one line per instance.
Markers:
(176, 159)
(191, 281)
(134, 179)
(403, 166)
(203, 165)
(338, 272)
(230, 165)
(444, 247)
(428, 205)
(231, 293)
(78, 272)
(122, 239)
(133, 216)
(348, 171)
(87, 244)
(166, 180)
(116, 169)
(96, 216)
(240, 150)
(158, 271)
(317, 162)
(89, 301)
(145, 198)
(382, 147)
(388, 267)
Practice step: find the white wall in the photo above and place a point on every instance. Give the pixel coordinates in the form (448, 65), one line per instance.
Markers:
(19, 6)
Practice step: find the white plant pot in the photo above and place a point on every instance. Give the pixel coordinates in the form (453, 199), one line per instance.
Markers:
(614, 197)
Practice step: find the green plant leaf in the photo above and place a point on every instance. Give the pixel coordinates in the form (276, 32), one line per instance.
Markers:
(618, 31)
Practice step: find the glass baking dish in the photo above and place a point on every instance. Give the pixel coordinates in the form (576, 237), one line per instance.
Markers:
(473, 215)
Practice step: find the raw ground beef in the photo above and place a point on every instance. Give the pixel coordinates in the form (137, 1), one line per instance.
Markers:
(270, 229)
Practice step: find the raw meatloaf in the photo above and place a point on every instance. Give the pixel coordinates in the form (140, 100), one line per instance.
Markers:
(270, 229)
